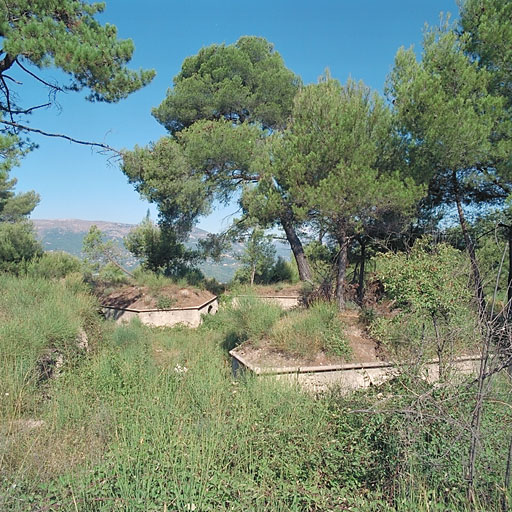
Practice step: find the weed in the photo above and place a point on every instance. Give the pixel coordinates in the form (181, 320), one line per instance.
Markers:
(164, 302)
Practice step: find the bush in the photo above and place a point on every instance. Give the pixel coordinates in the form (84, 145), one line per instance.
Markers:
(53, 265)
(112, 274)
(433, 302)
(163, 302)
(18, 244)
(283, 271)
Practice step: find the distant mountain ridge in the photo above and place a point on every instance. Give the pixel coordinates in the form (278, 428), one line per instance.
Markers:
(111, 229)
(67, 235)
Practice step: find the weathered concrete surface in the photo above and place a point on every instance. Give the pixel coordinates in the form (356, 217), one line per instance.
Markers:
(350, 376)
(190, 316)
(284, 301)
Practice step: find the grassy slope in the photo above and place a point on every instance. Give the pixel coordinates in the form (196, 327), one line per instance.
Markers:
(151, 419)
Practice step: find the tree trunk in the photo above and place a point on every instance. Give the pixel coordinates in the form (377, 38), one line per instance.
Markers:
(508, 471)
(120, 267)
(341, 271)
(297, 250)
(476, 418)
(509, 279)
(508, 309)
(440, 348)
(253, 274)
(360, 288)
(479, 290)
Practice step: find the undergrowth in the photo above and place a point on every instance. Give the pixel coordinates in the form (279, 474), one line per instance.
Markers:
(152, 419)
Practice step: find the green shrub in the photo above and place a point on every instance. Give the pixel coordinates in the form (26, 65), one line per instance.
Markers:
(53, 265)
(164, 302)
(213, 286)
(283, 271)
(18, 245)
(433, 302)
(155, 282)
(112, 274)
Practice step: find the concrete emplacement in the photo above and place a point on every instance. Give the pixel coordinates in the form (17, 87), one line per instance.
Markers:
(189, 316)
(350, 376)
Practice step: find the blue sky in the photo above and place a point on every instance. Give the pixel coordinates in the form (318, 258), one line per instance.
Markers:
(350, 37)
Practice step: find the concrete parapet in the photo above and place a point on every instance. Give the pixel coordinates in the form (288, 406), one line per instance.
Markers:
(350, 376)
(189, 316)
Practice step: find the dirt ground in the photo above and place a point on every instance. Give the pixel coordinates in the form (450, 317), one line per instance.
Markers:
(364, 349)
(141, 297)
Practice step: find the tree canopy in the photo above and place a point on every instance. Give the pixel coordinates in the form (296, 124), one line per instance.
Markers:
(456, 128)
(160, 250)
(336, 168)
(245, 81)
(17, 239)
(36, 35)
(486, 26)
(226, 102)
(64, 34)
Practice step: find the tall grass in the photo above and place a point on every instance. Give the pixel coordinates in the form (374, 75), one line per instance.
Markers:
(179, 432)
(37, 316)
(246, 318)
(152, 419)
(306, 332)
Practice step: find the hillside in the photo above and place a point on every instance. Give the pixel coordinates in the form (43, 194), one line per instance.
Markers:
(68, 234)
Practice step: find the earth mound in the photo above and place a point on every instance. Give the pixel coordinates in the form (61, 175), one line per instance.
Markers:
(168, 297)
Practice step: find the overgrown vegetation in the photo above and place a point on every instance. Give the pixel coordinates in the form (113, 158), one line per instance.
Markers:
(41, 320)
(95, 416)
(83, 440)
(433, 312)
(306, 333)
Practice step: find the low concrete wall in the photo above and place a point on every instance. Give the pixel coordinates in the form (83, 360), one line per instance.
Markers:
(350, 376)
(284, 301)
(190, 316)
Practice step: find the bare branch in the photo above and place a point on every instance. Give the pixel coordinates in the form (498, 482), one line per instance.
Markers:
(61, 136)
(17, 82)
(26, 111)
(7, 97)
(48, 84)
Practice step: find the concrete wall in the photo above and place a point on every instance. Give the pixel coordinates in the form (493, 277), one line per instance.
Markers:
(210, 308)
(350, 376)
(191, 317)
